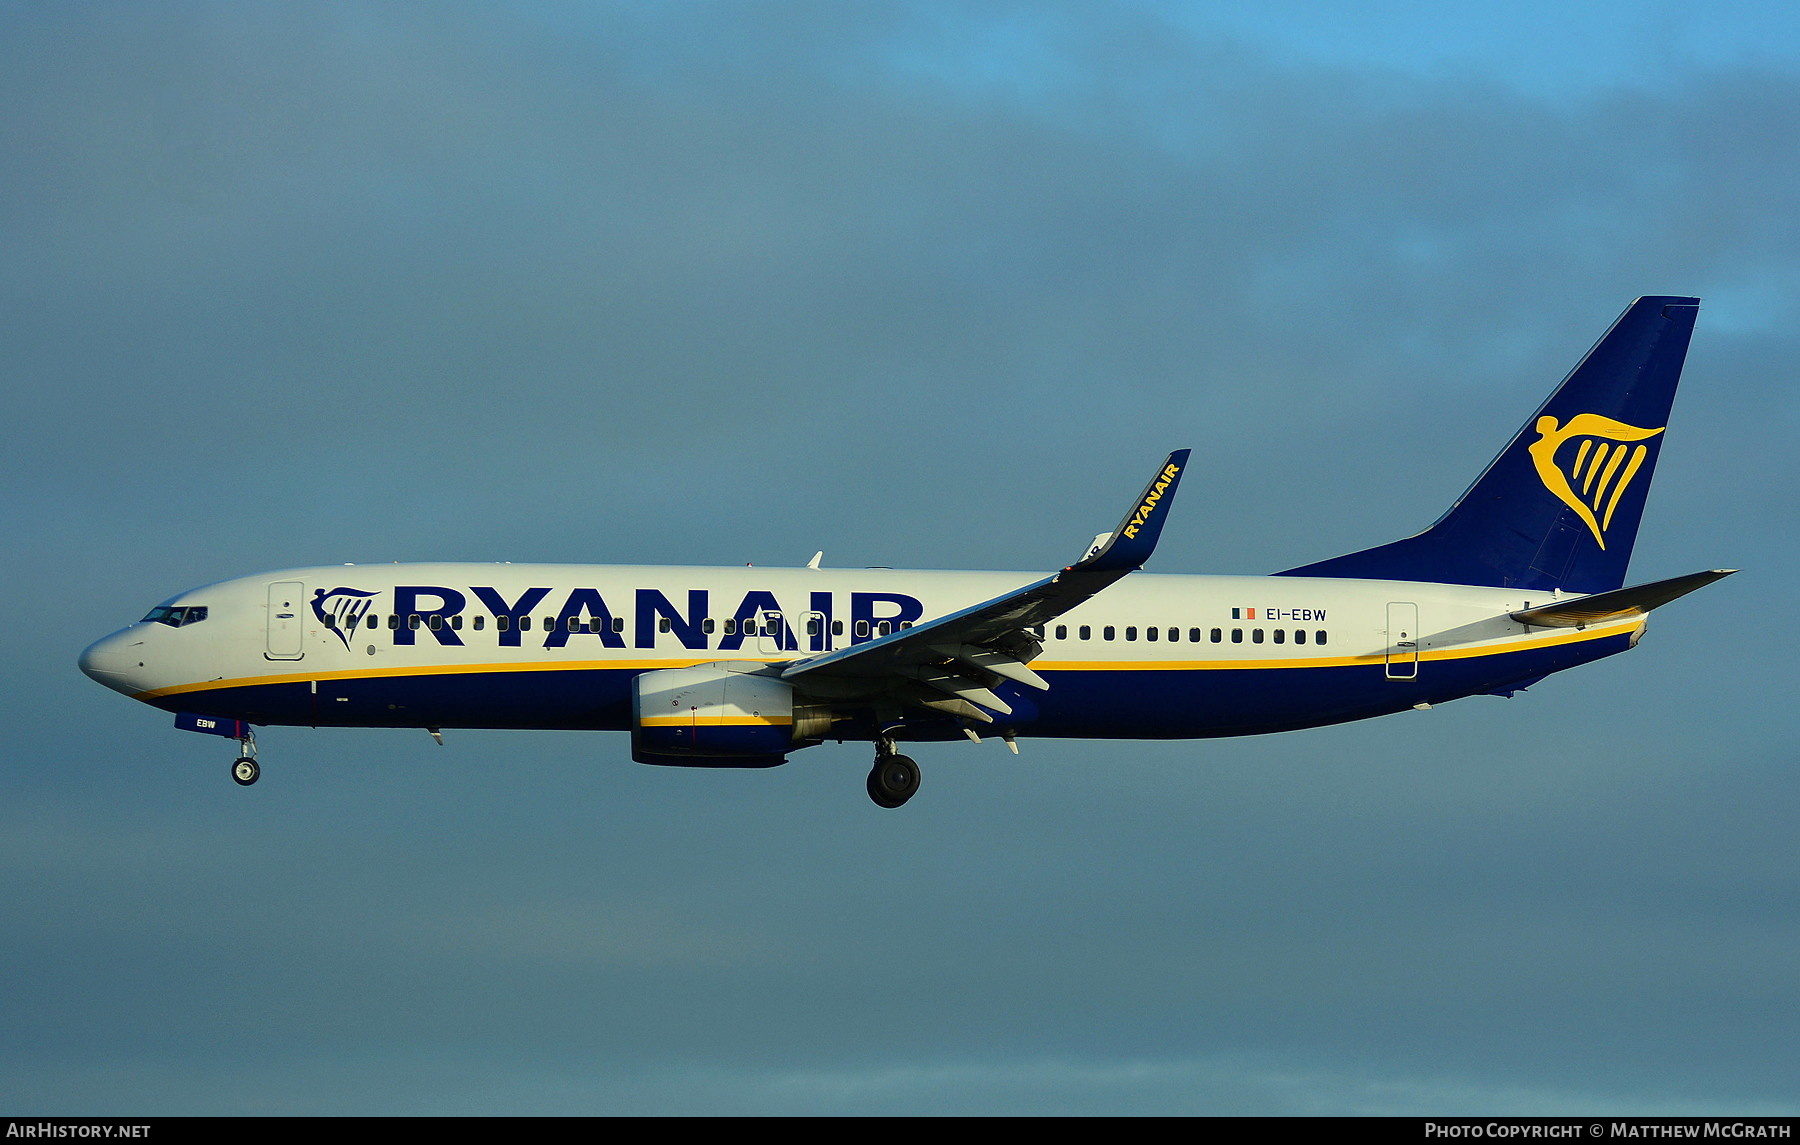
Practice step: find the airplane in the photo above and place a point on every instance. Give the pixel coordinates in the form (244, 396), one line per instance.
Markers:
(1524, 576)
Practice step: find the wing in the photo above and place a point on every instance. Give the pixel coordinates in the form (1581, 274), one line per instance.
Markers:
(953, 663)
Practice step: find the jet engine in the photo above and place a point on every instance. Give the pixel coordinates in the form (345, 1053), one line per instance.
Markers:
(720, 715)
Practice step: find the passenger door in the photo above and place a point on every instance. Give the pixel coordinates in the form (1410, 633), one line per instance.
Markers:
(286, 622)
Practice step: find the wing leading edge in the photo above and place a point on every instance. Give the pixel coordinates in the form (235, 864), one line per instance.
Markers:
(953, 663)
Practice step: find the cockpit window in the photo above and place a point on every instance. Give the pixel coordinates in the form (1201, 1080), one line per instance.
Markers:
(176, 617)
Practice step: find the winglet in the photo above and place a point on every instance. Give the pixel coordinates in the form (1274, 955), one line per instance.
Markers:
(1131, 544)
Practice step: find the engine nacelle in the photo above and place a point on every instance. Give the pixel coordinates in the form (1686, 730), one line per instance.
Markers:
(718, 715)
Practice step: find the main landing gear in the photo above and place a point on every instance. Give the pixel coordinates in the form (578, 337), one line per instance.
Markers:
(894, 777)
(245, 770)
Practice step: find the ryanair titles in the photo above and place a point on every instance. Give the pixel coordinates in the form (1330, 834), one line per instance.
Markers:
(1151, 499)
(757, 621)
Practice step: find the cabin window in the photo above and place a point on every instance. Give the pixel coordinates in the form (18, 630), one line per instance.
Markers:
(707, 625)
(1216, 635)
(1174, 635)
(480, 621)
(884, 628)
(412, 620)
(1062, 632)
(618, 624)
(731, 626)
(1131, 632)
(1280, 635)
(1108, 632)
(437, 622)
(524, 624)
(663, 624)
(456, 622)
(1256, 636)
(1237, 635)
(1087, 632)
(812, 626)
(1319, 636)
(837, 628)
(862, 629)
(1300, 636)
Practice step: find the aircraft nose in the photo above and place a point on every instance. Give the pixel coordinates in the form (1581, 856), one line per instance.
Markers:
(113, 660)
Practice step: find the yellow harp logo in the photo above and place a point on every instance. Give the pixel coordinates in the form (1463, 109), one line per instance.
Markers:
(1592, 481)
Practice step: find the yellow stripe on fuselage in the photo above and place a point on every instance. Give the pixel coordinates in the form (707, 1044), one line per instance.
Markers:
(443, 670)
(1568, 636)
(1548, 640)
(715, 721)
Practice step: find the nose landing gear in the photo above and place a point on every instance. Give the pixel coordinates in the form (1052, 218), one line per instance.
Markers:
(245, 770)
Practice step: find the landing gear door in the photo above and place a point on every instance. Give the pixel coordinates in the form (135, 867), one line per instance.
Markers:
(286, 625)
(1403, 641)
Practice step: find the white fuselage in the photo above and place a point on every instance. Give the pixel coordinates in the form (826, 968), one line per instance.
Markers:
(514, 645)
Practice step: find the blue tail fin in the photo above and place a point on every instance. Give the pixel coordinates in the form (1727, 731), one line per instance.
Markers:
(1559, 508)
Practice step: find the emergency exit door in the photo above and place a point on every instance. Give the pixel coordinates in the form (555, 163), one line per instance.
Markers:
(1402, 641)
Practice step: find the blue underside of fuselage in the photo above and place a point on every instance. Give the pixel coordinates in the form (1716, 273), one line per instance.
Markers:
(1081, 703)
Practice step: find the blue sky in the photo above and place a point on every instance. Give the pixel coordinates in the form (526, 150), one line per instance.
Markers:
(919, 285)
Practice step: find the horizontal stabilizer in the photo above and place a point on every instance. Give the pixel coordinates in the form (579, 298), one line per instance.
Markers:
(1617, 604)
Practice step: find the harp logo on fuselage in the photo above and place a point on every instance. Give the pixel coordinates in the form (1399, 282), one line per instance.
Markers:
(1593, 478)
(341, 610)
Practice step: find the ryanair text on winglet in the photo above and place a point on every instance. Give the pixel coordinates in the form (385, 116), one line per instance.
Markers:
(1150, 500)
